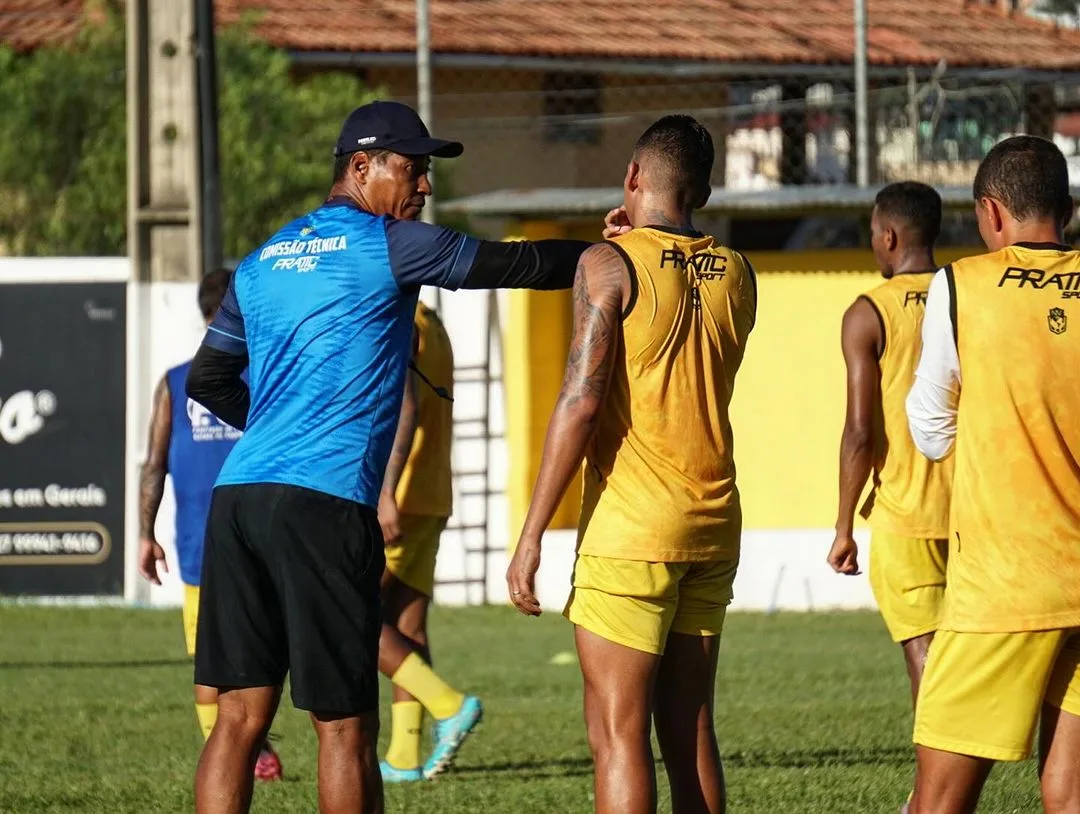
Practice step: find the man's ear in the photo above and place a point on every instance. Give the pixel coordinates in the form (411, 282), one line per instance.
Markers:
(995, 214)
(705, 195)
(360, 165)
(1070, 210)
(890, 238)
(633, 176)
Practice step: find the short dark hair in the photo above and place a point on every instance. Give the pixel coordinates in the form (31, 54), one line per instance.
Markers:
(917, 205)
(212, 290)
(341, 162)
(1029, 175)
(685, 147)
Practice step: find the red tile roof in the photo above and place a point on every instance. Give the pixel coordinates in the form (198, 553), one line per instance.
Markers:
(26, 24)
(901, 32)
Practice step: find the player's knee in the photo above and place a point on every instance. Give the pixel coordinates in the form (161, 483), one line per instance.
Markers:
(355, 731)
(1060, 791)
(413, 631)
(683, 730)
(240, 722)
(608, 733)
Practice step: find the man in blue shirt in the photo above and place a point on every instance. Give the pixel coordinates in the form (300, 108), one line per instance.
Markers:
(189, 443)
(322, 317)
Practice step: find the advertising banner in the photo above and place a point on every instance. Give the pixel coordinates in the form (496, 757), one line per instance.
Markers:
(62, 438)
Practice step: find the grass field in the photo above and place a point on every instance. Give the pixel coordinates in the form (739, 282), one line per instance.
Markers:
(95, 715)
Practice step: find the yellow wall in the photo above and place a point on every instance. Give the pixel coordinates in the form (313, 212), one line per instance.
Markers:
(536, 340)
(788, 408)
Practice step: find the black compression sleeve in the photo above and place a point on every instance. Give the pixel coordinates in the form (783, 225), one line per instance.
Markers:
(545, 265)
(214, 382)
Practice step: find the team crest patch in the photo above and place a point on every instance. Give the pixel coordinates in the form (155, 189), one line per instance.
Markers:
(1058, 321)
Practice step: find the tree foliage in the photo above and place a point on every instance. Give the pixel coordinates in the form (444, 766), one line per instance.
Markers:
(63, 181)
(1061, 8)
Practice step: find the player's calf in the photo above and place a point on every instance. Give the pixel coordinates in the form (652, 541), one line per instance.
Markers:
(684, 724)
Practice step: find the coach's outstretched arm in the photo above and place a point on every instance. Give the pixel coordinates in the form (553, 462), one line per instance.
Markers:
(214, 380)
(934, 398)
(421, 254)
(601, 294)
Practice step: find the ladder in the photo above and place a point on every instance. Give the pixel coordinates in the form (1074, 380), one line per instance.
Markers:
(472, 481)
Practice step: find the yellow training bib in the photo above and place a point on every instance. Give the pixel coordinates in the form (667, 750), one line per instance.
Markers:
(660, 475)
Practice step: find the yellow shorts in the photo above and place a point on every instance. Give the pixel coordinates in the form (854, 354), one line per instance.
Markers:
(191, 616)
(412, 560)
(981, 693)
(636, 604)
(907, 575)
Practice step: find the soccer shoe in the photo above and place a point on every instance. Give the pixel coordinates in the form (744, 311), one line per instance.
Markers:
(268, 766)
(391, 774)
(450, 733)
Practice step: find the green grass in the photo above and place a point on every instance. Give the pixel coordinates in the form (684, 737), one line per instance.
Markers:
(812, 711)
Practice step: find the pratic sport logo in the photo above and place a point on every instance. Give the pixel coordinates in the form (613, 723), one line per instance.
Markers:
(205, 426)
(1068, 283)
(23, 414)
(1057, 320)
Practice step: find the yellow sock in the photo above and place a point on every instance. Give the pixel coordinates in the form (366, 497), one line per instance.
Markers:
(406, 718)
(207, 714)
(418, 680)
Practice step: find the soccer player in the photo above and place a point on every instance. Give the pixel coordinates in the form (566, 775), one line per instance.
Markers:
(414, 507)
(191, 445)
(908, 508)
(662, 314)
(322, 317)
(999, 378)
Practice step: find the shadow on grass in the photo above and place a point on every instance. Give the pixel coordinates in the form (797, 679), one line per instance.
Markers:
(528, 770)
(92, 665)
(820, 758)
(793, 759)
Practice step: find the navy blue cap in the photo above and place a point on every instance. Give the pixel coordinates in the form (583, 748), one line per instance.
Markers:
(391, 126)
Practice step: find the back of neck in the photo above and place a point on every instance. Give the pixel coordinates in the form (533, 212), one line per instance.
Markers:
(656, 211)
(1036, 232)
(916, 261)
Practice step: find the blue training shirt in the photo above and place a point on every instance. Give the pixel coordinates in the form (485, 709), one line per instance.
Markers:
(324, 311)
(199, 443)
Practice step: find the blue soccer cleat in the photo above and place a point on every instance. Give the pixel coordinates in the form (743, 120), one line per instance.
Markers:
(450, 733)
(390, 774)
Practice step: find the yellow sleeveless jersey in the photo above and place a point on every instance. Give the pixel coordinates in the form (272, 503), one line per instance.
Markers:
(1014, 555)
(660, 473)
(425, 487)
(910, 497)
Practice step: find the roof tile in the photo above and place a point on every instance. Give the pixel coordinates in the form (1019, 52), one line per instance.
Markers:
(901, 32)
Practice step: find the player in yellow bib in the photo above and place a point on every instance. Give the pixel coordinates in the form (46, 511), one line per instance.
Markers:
(908, 508)
(414, 507)
(999, 378)
(661, 318)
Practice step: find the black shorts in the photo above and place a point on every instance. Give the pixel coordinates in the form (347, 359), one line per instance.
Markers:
(290, 584)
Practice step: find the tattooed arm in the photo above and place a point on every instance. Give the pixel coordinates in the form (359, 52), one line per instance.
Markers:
(389, 517)
(152, 483)
(601, 292)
